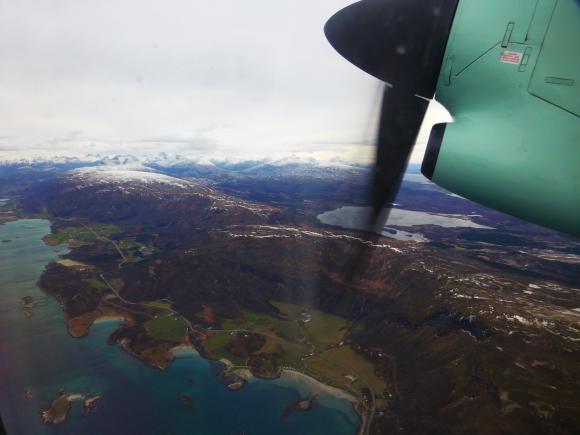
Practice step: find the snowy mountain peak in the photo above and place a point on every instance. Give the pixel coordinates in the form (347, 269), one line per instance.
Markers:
(122, 175)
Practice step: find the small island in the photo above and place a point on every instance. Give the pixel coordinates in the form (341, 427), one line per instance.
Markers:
(90, 404)
(58, 410)
(302, 405)
(237, 384)
(306, 404)
(27, 302)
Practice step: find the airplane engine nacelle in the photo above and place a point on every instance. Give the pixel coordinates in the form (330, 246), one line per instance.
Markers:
(508, 71)
(511, 79)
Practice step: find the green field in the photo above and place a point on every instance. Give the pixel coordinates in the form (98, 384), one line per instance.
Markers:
(162, 305)
(96, 283)
(337, 363)
(292, 333)
(167, 326)
(292, 351)
(327, 372)
(81, 235)
(215, 346)
(289, 339)
(286, 329)
(282, 334)
(322, 329)
(131, 249)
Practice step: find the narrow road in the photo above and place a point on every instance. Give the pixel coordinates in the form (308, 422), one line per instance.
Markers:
(115, 292)
(124, 260)
(99, 236)
(126, 301)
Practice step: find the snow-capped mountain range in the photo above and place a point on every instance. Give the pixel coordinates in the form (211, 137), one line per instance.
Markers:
(167, 160)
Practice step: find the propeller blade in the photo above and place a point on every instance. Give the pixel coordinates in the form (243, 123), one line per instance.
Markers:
(401, 42)
(400, 120)
(399, 124)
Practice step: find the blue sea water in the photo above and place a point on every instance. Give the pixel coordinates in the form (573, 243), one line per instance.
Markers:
(39, 354)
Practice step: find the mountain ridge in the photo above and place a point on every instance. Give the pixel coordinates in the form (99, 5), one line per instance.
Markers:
(168, 160)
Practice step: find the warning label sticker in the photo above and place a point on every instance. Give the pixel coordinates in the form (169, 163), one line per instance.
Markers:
(511, 57)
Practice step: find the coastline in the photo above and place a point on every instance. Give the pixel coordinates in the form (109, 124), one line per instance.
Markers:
(314, 384)
(318, 386)
(185, 377)
(80, 326)
(105, 319)
(321, 387)
(183, 350)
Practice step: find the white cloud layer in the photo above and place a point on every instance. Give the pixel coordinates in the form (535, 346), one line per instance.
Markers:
(229, 77)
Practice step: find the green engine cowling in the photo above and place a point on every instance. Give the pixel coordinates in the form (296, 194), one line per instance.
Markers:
(511, 79)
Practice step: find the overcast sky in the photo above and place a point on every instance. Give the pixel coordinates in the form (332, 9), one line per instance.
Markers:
(229, 78)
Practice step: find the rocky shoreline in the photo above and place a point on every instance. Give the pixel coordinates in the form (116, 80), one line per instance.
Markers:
(58, 410)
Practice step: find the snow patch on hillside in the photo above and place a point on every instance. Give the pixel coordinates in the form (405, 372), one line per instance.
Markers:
(122, 175)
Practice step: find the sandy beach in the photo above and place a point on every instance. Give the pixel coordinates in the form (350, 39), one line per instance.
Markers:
(104, 319)
(318, 386)
(183, 349)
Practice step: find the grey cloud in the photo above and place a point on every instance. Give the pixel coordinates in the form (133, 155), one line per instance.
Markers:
(195, 143)
(254, 77)
(361, 142)
(69, 136)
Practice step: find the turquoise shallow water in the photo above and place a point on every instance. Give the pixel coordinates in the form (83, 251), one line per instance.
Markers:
(38, 353)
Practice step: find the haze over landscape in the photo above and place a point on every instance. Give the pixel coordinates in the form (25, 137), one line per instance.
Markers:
(224, 79)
